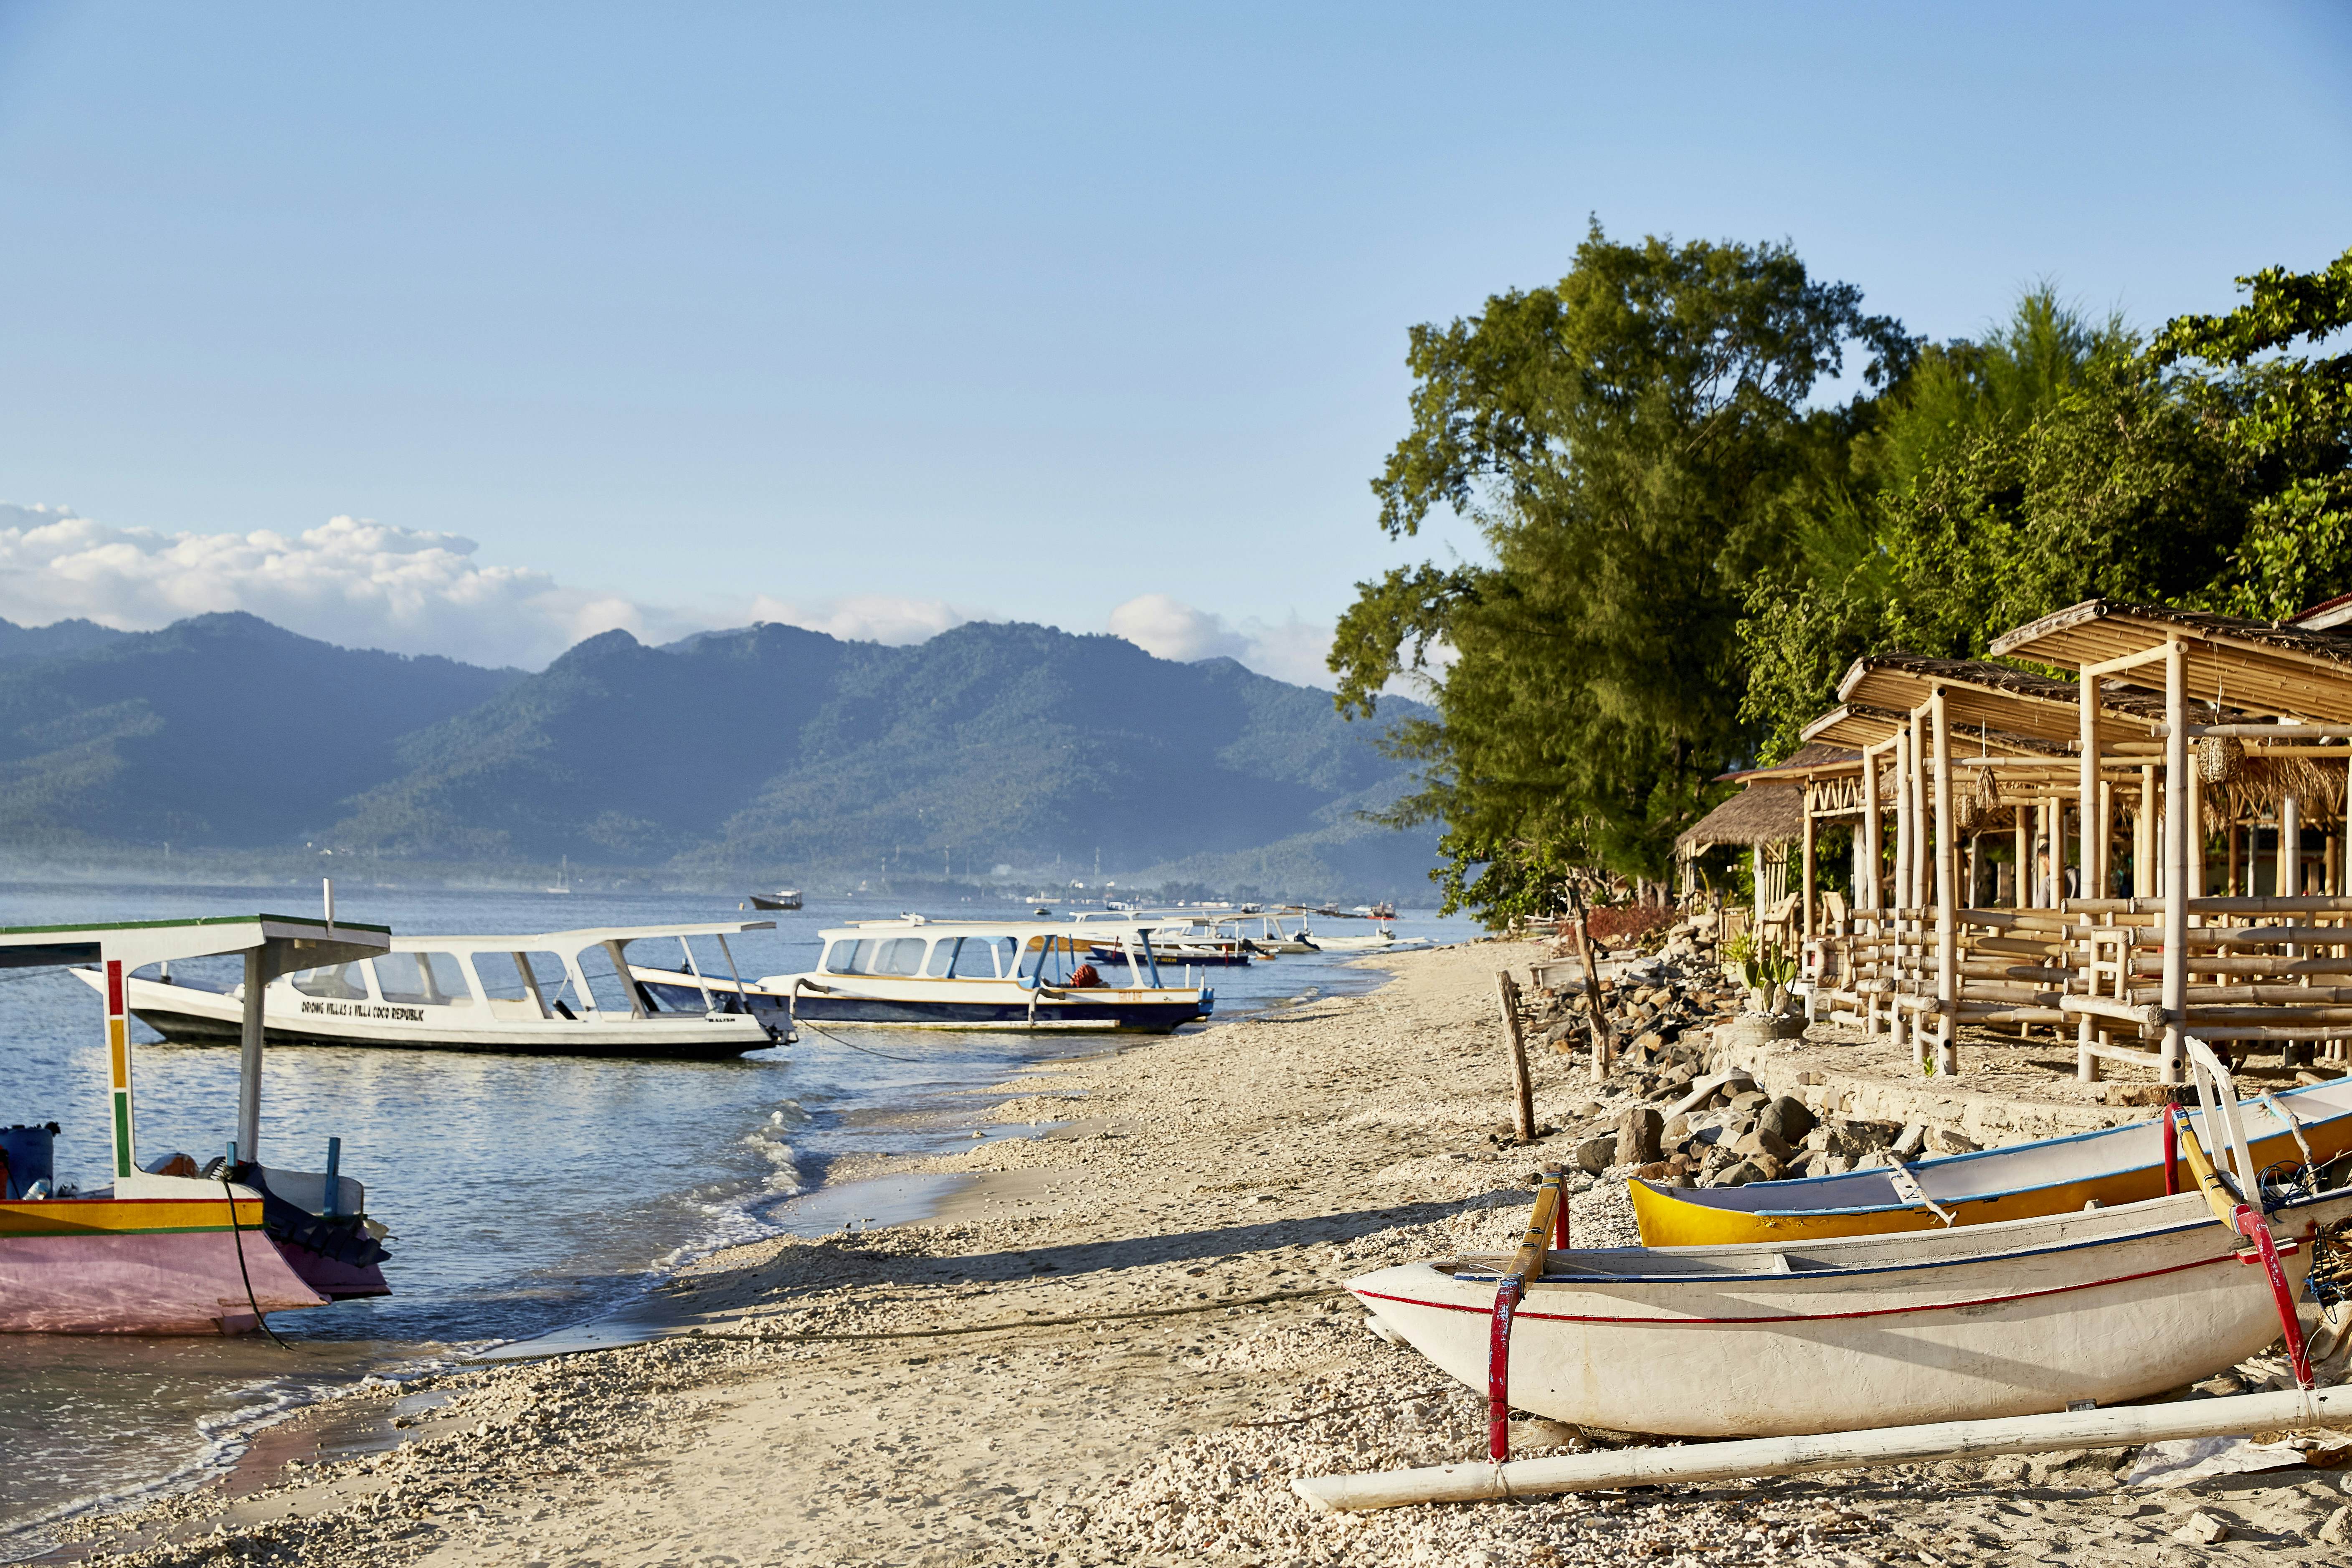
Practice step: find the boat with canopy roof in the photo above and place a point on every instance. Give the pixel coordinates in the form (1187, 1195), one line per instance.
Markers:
(993, 974)
(167, 1247)
(568, 993)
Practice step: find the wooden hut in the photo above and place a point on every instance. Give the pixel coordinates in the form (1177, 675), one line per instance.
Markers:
(2199, 725)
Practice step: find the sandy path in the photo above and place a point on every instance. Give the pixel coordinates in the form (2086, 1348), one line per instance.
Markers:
(1205, 1173)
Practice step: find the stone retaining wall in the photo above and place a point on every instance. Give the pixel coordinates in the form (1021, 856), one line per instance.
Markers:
(1745, 1043)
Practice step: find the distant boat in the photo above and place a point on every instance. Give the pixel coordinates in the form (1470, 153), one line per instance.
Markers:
(564, 878)
(781, 899)
(532, 994)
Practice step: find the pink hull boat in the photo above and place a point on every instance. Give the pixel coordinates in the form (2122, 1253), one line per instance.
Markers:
(178, 1283)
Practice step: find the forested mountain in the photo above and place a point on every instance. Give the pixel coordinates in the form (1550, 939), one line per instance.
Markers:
(222, 730)
(774, 746)
(767, 749)
(26, 645)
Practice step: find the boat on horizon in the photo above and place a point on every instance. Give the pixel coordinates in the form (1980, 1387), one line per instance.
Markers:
(169, 1247)
(781, 899)
(989, 974)
(548, 993)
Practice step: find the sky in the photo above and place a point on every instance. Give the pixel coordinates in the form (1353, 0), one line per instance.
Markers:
(478, 330)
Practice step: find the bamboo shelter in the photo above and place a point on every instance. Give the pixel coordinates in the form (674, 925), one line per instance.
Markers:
(2210, 738)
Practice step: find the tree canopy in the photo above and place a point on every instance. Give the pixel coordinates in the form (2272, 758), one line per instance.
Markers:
(1688, 542)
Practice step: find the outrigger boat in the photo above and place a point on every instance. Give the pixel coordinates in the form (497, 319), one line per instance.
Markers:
(555, 993)
(1179, 939)
(989, 974)
(2113, 1165)
(1774, 1339)
(166, 1248)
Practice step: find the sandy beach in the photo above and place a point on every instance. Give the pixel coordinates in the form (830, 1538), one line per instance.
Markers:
(1118, 1340)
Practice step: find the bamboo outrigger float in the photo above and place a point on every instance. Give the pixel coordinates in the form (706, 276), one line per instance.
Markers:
(162, 1251)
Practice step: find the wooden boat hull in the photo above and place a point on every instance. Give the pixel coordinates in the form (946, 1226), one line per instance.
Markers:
(104, 1266)
(2111, 1166)
(1999, 1320)
(190, 1017)
(1109, 1013)
(761, 901)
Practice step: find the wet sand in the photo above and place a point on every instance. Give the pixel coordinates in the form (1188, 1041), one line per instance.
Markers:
(1115, 1341)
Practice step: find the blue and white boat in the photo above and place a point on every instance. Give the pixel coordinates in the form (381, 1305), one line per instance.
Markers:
(993, 974)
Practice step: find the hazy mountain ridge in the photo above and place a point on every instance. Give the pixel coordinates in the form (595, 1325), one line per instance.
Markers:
(766, 748)
(221, 729)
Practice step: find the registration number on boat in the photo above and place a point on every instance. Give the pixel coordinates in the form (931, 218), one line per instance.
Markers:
(366, 1010)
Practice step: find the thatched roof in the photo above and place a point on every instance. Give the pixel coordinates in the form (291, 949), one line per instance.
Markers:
(1861, 724)
(1806, 759)
(1771, 812)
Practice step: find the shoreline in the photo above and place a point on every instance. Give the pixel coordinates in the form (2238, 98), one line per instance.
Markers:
(1115, 1342)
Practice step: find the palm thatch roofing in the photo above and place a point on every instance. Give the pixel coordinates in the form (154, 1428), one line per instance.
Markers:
(1771, 812)
(1862, 724)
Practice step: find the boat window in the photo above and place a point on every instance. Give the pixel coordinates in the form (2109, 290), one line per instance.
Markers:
(901, 955)
(336, 982)
(426, 979)
(503, 981)
(1033, 953)
(606, 992)
(944, 954)
(851, 956)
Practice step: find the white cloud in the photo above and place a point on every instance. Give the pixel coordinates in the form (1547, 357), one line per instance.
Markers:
(1169, 629)
(362, 584)
(866, 617)
(349, 580)
(1292, 651)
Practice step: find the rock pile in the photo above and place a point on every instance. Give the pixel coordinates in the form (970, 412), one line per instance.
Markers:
(1672, 1112)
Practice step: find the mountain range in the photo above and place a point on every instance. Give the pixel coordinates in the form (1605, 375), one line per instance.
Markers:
(768, 750)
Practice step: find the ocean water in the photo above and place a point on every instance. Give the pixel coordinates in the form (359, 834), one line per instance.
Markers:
(524, 1194)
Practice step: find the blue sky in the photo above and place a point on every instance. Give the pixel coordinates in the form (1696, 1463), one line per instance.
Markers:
(876, 316)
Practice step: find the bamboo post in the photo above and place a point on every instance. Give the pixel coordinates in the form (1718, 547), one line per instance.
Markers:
(2144, 836)
(2290, 849)
(1906, 828)
(1522, 1088)
(2021, 860)
(2176, 854)
(1947, 931)
(2093, 811)
(1805, 899)
(1874, 853)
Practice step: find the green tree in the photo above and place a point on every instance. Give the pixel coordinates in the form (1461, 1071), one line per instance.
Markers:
(2286, 424)
(1632, 444)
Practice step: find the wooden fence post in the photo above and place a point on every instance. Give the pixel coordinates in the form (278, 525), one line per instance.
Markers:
(1523, 1088)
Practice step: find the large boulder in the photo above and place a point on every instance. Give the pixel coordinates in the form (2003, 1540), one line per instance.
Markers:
(1786, 1118)
(1637, 1135)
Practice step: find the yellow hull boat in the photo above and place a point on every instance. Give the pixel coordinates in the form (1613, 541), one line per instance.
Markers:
(2112, 1166)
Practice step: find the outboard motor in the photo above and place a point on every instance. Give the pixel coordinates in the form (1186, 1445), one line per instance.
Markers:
(27, 1154)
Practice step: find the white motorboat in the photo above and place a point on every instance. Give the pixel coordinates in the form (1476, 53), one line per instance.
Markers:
(1383, 940)
(556, 993)
(991, 974)
(1264, 933)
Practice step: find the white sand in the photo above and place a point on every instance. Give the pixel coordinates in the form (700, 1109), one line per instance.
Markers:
(1263, 1159)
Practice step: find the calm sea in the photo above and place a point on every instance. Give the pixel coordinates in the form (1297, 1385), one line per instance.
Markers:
(523, 1193)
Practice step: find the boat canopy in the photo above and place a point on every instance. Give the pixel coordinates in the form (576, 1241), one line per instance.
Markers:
(272, 945)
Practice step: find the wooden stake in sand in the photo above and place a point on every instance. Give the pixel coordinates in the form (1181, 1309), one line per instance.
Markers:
(1522, 1088)
(2106, 1428)
(1595, 1013)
